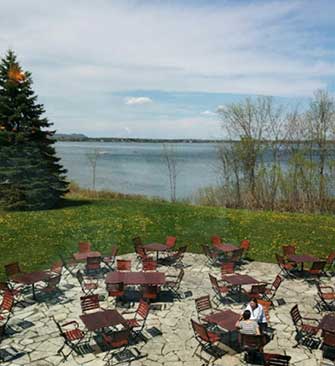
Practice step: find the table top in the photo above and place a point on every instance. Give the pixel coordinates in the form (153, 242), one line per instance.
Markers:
(136, 278)
(225, 319)
(29, 278)
(301, 258)
(327, 323)
(103, 319)
(155, 247)
(238, 279)
(225, 247)
(84, 255)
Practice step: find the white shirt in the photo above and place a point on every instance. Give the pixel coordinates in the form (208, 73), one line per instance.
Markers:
(257, 313)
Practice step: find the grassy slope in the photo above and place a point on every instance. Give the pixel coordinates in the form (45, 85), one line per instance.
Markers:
(35, 238)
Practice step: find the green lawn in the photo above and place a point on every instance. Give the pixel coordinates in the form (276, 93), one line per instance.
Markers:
(35, 238)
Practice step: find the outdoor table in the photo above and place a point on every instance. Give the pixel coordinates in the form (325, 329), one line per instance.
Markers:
(156, 247)
(238, 280)
(103, 319)
(136, 278)
(327, 323)
(225, 247)
(302, 258)
(30, 278)
(84, 255)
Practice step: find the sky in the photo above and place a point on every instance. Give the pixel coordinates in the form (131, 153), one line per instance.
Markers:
(161, 69)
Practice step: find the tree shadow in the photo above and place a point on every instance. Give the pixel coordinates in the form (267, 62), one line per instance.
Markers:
(68, 202)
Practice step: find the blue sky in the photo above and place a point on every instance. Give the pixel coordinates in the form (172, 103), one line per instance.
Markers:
(162, 68)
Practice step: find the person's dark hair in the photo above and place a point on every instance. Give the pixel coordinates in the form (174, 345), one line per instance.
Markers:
(246, 315)
(254, 299)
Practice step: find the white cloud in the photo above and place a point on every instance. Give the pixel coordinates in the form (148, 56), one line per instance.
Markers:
(137, 100)
(208, 113)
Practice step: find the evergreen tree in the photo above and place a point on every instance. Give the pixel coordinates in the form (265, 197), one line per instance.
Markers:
(30, 174)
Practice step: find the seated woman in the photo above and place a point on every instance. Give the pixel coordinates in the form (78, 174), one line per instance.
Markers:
(246, 325)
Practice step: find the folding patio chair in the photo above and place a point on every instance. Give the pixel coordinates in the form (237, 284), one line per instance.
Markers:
(204, 307)
(206, 341)
(288, 250)
(137, 323)
(12, 270)
(6, 310)
(176, 258)
(70, 265)
(216, 239)
(115, 290)
(50, 286)
(84, 247)
(328, 345)
(326, 296)
(286, 268)
(72, 335)
(123, 264)
(256, 291)
(252, 342)
(93, 265)
(213, 256)
(90, 302)
(306, 332)
(317, 269)
(170, 242)
(141, 255)
(330, 263)
(227, 268)
(245, 245)
(266, 359)
(271, 290)
(109, 260)
(173, 282)
(219, 290)
(149, 264)
(87, 285)
(150, 292)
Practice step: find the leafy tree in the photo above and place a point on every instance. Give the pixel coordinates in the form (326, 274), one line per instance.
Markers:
(30, 174)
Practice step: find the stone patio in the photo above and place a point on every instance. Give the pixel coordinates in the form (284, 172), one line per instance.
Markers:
(176, 345)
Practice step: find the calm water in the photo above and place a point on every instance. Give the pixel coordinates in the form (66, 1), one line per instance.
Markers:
(139, 167)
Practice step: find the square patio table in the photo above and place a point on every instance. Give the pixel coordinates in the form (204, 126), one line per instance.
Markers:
(327, 323)
(136, 278)
(30, 278)
(84, 255)
(103, 319)
(156, 247)
(301, 259)
(225, 247)
(238, 280)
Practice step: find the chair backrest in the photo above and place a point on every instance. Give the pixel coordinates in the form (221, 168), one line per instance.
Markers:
(118, 338)
(7, 301)
(93, 263)
(84, 247)
(115, 289)
(296, 316)
(12, 269)
(150, 292)
(216, 239)
(227, 268)
(114, 250)
(245, 244)
(258, 289)
(89, 302)
(317, 267)
(251, 341)
(123, 264)
(288, 250)
(274, 359)
(143, 309)
(214, 282)
(203, 303)
(200, 331)
(328, 338)
(266, 307)
(170, 241)
(149, 264)
(137, 241)
(276, 283)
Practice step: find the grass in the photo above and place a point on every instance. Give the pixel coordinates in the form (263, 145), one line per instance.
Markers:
(35, 238)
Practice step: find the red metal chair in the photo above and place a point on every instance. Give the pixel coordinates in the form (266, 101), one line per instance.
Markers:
(266, 307)
(204, 307)
(213, 256)
(216, 239)
(267, 359)
(12, 270)
(256, 291)
(7, 304)
(252, 342)
(137, 323)
(207, 340)
(270, 291)
(123, 264)
(317, 269)
(72, 336)
(176, 258)
(330, 262)
(219, 290)
(149, 264)
(87, 285)
(227, 268)
(84, 247)
(328, 345)
(50, 286)
(173, 282)
(288, 250)
(245, 246)
(69, 264)
(236, 256)
(170, 242)
(93, 265)
(326, 297)
(109, 260)
(286, 268)
(117, 339)
(306, 332)
(115, 290)
(90, 302)
(150, 292)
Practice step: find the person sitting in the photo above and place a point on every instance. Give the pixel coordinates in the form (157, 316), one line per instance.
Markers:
(246, 325)
(257, 314)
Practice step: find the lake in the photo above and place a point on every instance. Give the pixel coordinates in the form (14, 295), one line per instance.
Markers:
(139, 168)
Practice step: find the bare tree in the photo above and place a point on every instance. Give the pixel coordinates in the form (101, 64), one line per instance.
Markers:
(92, 159)
(170, 159)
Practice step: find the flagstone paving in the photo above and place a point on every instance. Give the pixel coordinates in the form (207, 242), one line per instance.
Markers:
(176, 345)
